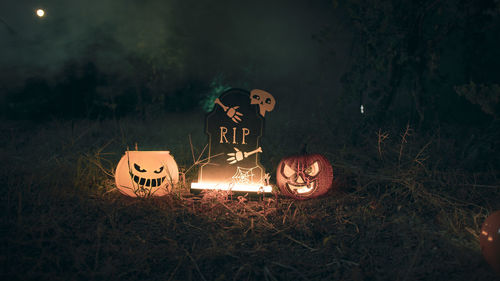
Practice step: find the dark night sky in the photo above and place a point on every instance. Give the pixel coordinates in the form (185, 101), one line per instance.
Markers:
(271, 38)
(161, 46)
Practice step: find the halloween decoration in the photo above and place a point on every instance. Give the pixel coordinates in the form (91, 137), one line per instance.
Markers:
(146, 173)
(264, 99)
(231, 112)
(234, 128)
(304, 176)
(489, 240)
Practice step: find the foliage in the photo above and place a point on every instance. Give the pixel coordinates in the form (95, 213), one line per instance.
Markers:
(409, 55)
(105, 78)
(217, 87)
(486, 96)
(74, 94)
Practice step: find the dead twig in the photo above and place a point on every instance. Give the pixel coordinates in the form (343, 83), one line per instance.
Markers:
(408, 132)
(382, 136)
(172, 275)
(195, 265)
(290, 268)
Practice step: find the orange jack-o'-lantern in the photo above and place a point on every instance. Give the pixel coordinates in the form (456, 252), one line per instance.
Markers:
(489, 239)
(304, 176)
(146, 173)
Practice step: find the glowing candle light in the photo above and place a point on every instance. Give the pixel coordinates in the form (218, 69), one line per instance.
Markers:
(489, 240)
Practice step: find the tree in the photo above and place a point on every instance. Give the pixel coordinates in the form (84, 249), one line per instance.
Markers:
(409, 56)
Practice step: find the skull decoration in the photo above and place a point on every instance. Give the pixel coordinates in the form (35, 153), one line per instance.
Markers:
(264, 99)
(146, 173)
(489, 240)
(304, 176)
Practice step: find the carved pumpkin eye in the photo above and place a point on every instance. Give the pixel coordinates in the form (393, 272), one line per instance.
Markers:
(312, 170)
(139, 169)
(159, 170)
(287, 171)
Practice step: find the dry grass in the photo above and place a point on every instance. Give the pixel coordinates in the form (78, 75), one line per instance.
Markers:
(397, 213)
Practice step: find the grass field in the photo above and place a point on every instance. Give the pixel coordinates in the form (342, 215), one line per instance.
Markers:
(406, 206)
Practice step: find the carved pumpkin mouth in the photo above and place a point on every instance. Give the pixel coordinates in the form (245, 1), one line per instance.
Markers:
(301, 189)
(147, 182)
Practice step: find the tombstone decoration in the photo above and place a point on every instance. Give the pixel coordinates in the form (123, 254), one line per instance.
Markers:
(234, 129)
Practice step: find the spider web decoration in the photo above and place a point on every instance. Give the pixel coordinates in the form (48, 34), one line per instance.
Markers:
(243, 175)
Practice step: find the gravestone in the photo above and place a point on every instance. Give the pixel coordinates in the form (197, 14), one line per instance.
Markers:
(234, 128)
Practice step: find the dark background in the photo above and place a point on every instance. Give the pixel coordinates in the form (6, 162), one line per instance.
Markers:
(416, 61)
(84, 57)
(415, 175)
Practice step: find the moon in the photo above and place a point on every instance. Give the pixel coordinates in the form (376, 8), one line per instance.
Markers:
(40, 13)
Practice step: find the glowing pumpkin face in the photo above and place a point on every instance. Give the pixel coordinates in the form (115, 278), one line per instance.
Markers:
(304, 176)
(146, 173)
(489, 240)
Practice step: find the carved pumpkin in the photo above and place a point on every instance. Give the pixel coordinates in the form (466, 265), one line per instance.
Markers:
(146, 173)
(304, 176)
(489, 240)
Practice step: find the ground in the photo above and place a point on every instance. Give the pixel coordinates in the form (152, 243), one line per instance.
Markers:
(401, 208)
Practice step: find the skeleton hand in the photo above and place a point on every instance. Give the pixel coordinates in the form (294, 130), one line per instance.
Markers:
(231, 112)
(235, 156)
(234, 115)
(238, 155)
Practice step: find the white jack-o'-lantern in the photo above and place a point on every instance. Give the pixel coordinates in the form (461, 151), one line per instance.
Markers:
(146, 173)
